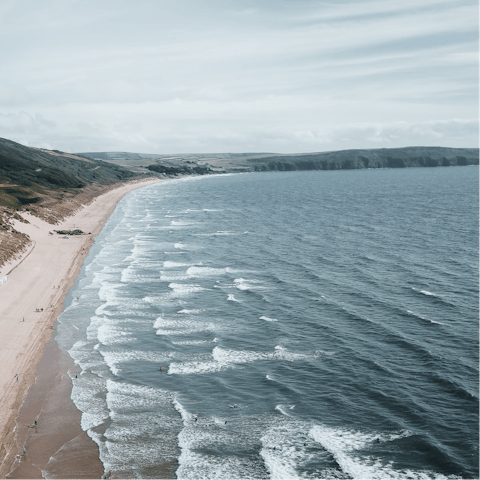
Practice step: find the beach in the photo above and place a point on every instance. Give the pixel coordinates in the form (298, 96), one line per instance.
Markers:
(30, 301)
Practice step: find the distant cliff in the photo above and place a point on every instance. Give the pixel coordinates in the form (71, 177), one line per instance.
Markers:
(360, 159)
(407, 157)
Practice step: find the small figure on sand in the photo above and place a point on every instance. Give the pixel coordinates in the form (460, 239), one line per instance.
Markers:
(24, 452)
(16, 375)
(23, 319)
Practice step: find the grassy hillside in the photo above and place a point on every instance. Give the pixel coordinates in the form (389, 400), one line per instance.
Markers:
(49, 184)
(29, 175)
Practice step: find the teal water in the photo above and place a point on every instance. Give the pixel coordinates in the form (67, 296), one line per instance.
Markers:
(283, 325)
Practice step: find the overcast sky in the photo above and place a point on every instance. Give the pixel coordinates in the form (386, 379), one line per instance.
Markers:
(171, 76)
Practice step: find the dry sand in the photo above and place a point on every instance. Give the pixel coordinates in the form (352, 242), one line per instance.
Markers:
(41, 280)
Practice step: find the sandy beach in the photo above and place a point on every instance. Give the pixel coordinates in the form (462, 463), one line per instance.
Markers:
(30, 302)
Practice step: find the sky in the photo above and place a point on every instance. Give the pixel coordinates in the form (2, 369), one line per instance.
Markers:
(211, 76)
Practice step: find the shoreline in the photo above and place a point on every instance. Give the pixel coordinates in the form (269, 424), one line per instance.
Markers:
(42, 280)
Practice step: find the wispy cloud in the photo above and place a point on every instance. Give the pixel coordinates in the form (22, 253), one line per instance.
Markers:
(209, 76)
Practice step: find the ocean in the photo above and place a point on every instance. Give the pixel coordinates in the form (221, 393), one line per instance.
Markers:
(319, 324)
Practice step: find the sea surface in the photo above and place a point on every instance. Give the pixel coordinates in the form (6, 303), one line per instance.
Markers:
(283, 325)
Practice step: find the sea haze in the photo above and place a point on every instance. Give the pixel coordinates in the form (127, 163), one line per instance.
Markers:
(283, 325)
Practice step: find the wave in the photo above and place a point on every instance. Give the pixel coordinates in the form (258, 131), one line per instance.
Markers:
(348, 448)
(218, 233)
(114, 358)
(243, 284)
(434, 296)
(417, 315)
(170, 264)
(223, 359)
(110, 334)
(283, 409)
(192, 342)
(205, 271)
(267, 319)
(172, 277)
(183, 289)
(181, 327)
(192, 311)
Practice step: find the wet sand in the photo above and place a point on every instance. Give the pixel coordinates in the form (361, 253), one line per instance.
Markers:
(30, 302)
(56, 447)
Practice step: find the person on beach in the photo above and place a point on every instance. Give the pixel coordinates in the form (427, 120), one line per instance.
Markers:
(16, 375)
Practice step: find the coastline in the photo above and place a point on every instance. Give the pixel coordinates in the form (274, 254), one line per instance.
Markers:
(41, 281)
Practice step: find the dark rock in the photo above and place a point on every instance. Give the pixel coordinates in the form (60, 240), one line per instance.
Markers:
(69, 232)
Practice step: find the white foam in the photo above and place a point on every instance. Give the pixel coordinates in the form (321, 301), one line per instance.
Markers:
(189, 368)
(205, 271)
(173, 276)
(180, 223)
(267, 319)
(192, 311)
(169, 264)
(109, 334)
(133, 436)
(231, 298)
(180, 326)
(222, 359)
(423, 318)
(114, 358)
(211, 432)
(182, 289)
(426, 292)
(186, 416)
(192, 342)
(281, 452)
(86, 394)
(283, 409)
(180, 246)
(345, 445)
(243, 284)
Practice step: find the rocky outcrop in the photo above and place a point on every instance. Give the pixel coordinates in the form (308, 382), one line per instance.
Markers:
(187, 168)
(69, 232)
